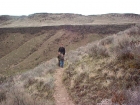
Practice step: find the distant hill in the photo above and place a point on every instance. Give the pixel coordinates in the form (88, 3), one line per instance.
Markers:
(49, 19)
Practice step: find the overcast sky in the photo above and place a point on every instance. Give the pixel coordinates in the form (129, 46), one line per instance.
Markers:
(85, 7)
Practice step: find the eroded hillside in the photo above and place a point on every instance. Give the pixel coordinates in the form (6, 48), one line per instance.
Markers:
(25, 48)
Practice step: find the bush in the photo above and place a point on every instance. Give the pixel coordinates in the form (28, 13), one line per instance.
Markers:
(124, 47)
(106, 41)
(2, 96)
(121, 46)
(136, 54)
(16, 97)
(133, 96)
(135, 30)
(2, 79)
(98, 51)
(30, 82)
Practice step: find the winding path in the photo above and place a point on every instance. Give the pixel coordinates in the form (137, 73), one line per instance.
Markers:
(61, 96)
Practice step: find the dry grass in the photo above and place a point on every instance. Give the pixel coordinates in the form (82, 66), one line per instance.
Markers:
(104, 69)
(25, 48)
(90, 69)
(18, 97)
(133, 96)
(34, 87)
(18, 55)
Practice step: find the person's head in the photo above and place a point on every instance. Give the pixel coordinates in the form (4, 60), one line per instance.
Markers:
(61, 45)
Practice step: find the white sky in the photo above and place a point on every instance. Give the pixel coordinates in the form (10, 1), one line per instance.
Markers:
(85, 7)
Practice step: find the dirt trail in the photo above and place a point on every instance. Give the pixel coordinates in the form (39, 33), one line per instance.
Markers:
(61, 96)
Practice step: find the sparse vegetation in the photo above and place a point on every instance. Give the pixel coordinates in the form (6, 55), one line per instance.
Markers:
(133, 96)
(25, 48)
(98, 51)
(105, 69)
(2, 78)
(111, 67)
(2, 96)
(34, 87)
(18, 97)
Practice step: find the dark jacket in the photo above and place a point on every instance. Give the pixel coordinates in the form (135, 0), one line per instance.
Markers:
(61, 50)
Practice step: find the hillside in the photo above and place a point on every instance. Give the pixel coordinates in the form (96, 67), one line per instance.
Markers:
(25, 48)
(105, 71)
(102, 61)
(48, 19)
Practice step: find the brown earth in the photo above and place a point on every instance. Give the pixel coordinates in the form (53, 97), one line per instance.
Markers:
(61, 96)
(28, 41)
(25, 48)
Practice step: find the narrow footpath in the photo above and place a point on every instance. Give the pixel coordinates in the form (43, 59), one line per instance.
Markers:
(61, 96)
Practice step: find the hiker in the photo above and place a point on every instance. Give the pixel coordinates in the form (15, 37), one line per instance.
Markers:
(61, 54)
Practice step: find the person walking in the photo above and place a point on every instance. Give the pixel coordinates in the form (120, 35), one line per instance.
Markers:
(61, 54)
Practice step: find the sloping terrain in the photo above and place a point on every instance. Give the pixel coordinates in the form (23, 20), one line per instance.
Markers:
(25, 48)
(34, 87)
(60, 94)
(107, 69)
(48, 19)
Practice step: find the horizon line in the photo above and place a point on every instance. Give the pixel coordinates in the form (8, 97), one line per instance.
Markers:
(68, 13)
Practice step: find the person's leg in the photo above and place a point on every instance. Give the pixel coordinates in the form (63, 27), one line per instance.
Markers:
(60, 63)
(58, 60)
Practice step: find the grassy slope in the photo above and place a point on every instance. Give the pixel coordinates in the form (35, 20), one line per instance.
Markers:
(87, 78)
(34, 87)
(28, 47)
(21, 53)
(12, 42)
(96, 75)
(40, 54)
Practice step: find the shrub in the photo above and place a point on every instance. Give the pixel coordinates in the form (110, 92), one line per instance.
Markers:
(2, 96)
(30, 82)
(16, 97)
(132, 31)
(106, 41)
(98, 51)
(136, 54)
(135, 30)
(124, 47)
(133, 96)
(2, 79)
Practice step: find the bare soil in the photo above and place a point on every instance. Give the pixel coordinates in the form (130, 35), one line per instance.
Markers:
(61, 96)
